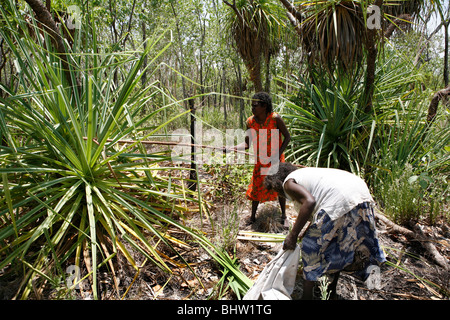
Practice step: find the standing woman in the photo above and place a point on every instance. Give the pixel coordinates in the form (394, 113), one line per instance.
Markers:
(263, 127)
(342, 234)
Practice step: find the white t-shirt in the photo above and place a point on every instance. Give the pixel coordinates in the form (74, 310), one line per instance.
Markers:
(336, 191)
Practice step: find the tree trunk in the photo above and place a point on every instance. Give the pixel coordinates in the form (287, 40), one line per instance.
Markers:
(192, 185)
(144, 65)
(267, 85)
(446, 24)
(438, 96)
(202, 44)
(224, 88)
(45, 18)
(183, 82)
(130, 19)
(241, 93)
(254, 70)
(372, 53)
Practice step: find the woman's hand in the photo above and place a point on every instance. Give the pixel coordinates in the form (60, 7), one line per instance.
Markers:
(290, 242)
(228, 149)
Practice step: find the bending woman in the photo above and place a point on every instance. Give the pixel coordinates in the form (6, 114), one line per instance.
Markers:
(342, 234)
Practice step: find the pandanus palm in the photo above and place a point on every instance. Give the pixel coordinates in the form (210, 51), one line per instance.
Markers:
(71, 194)
(334, 121)
(335, 34)
(254, 27)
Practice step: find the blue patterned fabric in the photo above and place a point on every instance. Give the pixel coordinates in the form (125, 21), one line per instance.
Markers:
(349, 243)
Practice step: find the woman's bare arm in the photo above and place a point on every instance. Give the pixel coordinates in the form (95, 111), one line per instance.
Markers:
(300, 194)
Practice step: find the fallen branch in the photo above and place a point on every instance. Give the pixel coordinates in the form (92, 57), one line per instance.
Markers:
(416, 235)
(431, 248)
(393, 226)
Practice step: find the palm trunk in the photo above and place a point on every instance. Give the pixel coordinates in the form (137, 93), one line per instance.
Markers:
(432, 109)
(267, 89)
(446, 24)
(372, 53)
(254, 69)
(45, 18)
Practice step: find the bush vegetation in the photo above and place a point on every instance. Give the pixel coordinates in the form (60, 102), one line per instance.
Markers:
(79, 185)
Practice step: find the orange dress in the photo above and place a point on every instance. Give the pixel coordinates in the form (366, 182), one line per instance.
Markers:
(261, 137)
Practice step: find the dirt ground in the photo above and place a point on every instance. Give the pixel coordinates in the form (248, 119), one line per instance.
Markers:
(410, 273)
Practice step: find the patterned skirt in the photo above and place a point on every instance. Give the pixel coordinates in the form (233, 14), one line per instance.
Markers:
(349, 243)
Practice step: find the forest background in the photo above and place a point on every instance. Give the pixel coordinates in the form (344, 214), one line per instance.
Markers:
(86, 84)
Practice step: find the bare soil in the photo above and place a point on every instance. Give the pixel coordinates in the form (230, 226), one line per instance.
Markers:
(409, 275)
(413, 276)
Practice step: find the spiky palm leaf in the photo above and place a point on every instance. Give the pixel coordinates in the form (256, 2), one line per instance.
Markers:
(326, 124)
(334, 33)
(70, 193)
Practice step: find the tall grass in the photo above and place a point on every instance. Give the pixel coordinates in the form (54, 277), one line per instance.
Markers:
(410, 165)
(71, 194)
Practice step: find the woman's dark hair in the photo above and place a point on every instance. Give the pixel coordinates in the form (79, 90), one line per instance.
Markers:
(265, 99)
(275, 181)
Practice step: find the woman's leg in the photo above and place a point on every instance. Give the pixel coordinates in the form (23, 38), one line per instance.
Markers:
(255, 204)
(308, 287)
(332, 286)
(282, 202)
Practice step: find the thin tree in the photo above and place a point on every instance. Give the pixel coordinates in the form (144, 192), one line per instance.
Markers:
(45, 18)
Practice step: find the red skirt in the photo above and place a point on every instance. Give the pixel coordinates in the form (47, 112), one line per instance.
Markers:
(256, 190)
